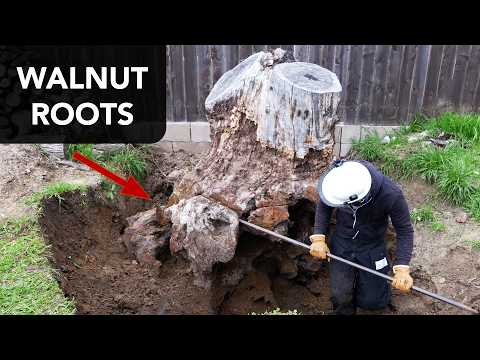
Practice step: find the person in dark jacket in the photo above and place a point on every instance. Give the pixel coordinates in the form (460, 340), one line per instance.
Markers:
(364, 199)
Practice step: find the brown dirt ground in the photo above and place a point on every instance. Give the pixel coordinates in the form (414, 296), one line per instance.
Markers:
(26, 169)
(96, 270)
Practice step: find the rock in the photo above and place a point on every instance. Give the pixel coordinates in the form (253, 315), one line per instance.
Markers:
(461, 218)
(206, 231)
(145, 238)
(417, 136)
(386, 139)
(269, 217)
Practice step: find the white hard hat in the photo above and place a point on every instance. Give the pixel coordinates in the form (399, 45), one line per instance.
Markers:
(346, 183)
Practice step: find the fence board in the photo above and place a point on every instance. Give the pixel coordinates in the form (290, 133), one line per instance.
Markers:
(170, 93)
(217, 61)
(461, 63)
(354, 83)
(433, 77)
(244, 51)
(406, 81)
(472, 77)
(301, 52)
(313, 54)
(382, 53)
(329, 56)
(393, 84)
(366, 85)
(231, 56)
(419, 77)
(344, 82)
(205, 82)
(191, 82)
(178, 82)
(446, 74)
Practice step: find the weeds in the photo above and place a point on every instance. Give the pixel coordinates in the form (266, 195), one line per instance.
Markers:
(475, 244)
(84, 149)
(422, 214)
(128, 160)
(370, 148)
(27, 285)
(277, 311)
(425, 214)
(54, 190)
(464, 126)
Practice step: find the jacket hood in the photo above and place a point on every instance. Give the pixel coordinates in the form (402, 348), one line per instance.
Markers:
(377, 179)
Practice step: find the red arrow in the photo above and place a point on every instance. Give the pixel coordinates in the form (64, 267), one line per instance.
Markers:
(130, 186)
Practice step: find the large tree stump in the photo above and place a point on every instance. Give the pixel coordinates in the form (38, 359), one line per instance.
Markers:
(272, 123)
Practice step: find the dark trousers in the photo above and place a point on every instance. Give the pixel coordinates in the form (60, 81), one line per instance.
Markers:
(352, 287)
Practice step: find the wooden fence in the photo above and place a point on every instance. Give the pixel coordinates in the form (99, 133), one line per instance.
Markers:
(382, 84)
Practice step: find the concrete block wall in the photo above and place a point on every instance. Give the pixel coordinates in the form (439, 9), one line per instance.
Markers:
(345, 135)
(194, 137)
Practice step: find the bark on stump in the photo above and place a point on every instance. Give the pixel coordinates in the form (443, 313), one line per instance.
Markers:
(272, 129)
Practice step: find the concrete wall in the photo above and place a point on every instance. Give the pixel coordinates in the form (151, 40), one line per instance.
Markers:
(194, 137)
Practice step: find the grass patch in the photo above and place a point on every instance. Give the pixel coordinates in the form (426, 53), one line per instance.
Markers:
(454, 170)
(54, 190)
(129, 160)
(27, 285)
(84, 149)
(475, 244)
(277, 311)
(425, 214)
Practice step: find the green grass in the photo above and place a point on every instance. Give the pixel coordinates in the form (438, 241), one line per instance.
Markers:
(425, 214)
(128, 160)
(84, 149)
(27, 285)
(454, 171)
(475, 244)
(54, 190)
(277, 311)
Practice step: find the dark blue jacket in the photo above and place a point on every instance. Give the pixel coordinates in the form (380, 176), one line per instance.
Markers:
(365, 230)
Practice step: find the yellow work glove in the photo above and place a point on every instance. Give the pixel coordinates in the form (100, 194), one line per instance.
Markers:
(402, 279)
(319, 248)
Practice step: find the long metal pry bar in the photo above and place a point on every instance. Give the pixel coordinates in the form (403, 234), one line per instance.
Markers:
(358, 266)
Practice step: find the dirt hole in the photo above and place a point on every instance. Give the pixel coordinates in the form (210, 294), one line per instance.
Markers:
(96, 270)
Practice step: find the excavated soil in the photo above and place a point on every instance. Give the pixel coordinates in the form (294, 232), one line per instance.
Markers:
(95, 268)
